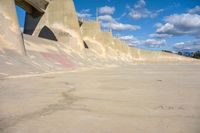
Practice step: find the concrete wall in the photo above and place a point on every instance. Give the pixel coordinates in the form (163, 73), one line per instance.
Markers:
(60, 17)
(91, 33)
(155, 56)
(60, 23)
(90, 29)
(10, 34)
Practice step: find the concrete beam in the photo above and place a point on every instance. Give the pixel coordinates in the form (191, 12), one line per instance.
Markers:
(24, 6)
(33, 6)
(39, 5)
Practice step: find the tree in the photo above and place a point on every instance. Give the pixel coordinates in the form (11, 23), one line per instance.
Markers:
(180, 53)
(197, 55)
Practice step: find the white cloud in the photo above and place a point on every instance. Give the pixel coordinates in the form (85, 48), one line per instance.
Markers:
(189, 46)
(186, 20)
(139, 11)
(155, 43)
(84, 14)
(106, 18)
(108, 22)
(160, 35)
(107, 10)
(194, 10)
(133, 41)
(119, 26)
(140, 4)
(164, 28)
(179, 24)
(128, 38)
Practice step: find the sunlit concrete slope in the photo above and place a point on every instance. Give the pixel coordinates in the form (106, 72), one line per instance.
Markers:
(10, 35)
(101, 42)
(42, 55)
(145, 56)
(54, 40)
(91, 31)
(104, 44)
(123, 49)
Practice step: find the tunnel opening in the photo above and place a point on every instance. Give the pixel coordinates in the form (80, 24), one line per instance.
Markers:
(46, 33)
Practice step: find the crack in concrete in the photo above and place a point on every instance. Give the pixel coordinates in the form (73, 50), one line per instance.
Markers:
(65, 103)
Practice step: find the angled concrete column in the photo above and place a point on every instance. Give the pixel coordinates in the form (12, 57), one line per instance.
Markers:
(10, 34)
(60, 19)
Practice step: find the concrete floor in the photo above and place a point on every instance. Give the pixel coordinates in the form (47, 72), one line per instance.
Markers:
(132, 99)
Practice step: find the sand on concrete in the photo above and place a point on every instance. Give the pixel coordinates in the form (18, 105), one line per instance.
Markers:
(132, 99)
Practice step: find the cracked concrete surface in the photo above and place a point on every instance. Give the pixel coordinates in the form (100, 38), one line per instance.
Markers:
(137, 98)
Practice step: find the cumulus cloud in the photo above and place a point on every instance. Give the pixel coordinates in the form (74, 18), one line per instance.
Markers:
(139, 11)
(108, 22)
(155, 43)
(84, 14)
(194, 10)
(119, 26)
(160, 35)
(133, 41)
(179, 24)
(106, 18)
(189, 46)
(107, 10)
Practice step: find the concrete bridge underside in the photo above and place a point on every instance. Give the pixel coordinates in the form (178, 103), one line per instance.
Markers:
(33, 6)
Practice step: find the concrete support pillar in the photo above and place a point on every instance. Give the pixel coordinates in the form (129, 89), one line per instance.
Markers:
(61, 19)
(10, 34)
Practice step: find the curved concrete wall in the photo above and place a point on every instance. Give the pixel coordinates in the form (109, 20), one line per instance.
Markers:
(114, 48)
(155, 56)
(10, 34)
(60, 22)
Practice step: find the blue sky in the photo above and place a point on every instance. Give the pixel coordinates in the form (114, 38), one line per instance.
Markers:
(150, 24)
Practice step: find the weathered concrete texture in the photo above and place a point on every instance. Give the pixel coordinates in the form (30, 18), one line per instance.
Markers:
(48, 56)
(60, 24)
(60, 18)
(140, 55)
(42, 56)
(123, 50)
(106, 39)
(10, 35)
(131, 99)
(99, 42)
(90, 31)
(113, 48)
